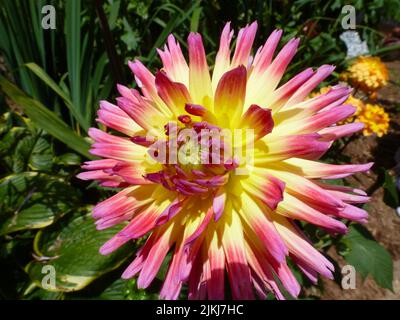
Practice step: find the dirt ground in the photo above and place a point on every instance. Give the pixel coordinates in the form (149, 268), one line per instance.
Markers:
(384, 223)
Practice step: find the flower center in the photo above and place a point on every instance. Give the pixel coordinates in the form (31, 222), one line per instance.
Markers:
(195, 156)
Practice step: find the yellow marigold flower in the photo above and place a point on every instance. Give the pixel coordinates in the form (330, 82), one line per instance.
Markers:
(355, 102)
(367, 73)
(375, 120)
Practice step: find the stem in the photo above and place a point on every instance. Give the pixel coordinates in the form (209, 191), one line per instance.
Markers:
(116, 68)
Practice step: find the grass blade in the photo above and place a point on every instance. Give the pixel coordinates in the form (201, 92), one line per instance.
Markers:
(38, 71)
(46, 119)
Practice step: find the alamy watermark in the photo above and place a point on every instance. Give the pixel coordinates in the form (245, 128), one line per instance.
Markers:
(348, 277)
(49, 18)
(49, 280)
(349, 18)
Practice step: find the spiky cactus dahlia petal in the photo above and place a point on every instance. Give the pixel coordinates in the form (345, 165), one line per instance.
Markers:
(208, 216)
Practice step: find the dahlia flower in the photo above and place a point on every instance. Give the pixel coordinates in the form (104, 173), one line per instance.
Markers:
(367, 74)
(238, 214)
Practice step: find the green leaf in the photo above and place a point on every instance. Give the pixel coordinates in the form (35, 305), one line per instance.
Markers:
(112, 287)
(8, 143)
(368, 256)
(31, 200)
(69, 159)
(122, 289)
(38, 71)
(72, 28)
(194, 21)
(41, 157)
(72, 248)
(34, 153)
(42, 294)
(46, 119)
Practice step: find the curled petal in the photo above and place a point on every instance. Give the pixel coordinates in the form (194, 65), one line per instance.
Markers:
(216, 258)
(263, 228)
(317, 122)
(131, 172)
(219, 204)
(146, 82)
(174, 94)
(267, 188)
(141, 110)
(113, 117)
(259, 119)
(262, 85)
(281, 95)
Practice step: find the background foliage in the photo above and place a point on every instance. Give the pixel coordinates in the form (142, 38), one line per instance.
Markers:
(52, 81)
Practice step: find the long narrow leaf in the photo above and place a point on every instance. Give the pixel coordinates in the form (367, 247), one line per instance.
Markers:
(73, 46)
(45, 119)
(38, 71)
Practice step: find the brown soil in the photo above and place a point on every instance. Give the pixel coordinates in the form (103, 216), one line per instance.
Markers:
(383, 223)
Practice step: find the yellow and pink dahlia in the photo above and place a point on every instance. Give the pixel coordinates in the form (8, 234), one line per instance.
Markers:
(231, 206)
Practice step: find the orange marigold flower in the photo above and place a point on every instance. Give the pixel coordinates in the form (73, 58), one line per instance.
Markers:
(375, 120)
(367, 73)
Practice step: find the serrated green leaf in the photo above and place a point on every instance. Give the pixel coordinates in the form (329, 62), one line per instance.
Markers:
(368, 256)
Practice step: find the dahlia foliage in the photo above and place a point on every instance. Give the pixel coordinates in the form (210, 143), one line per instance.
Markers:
(219, 169)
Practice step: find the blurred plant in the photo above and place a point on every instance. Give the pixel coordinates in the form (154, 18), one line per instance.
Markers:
(68, 61)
